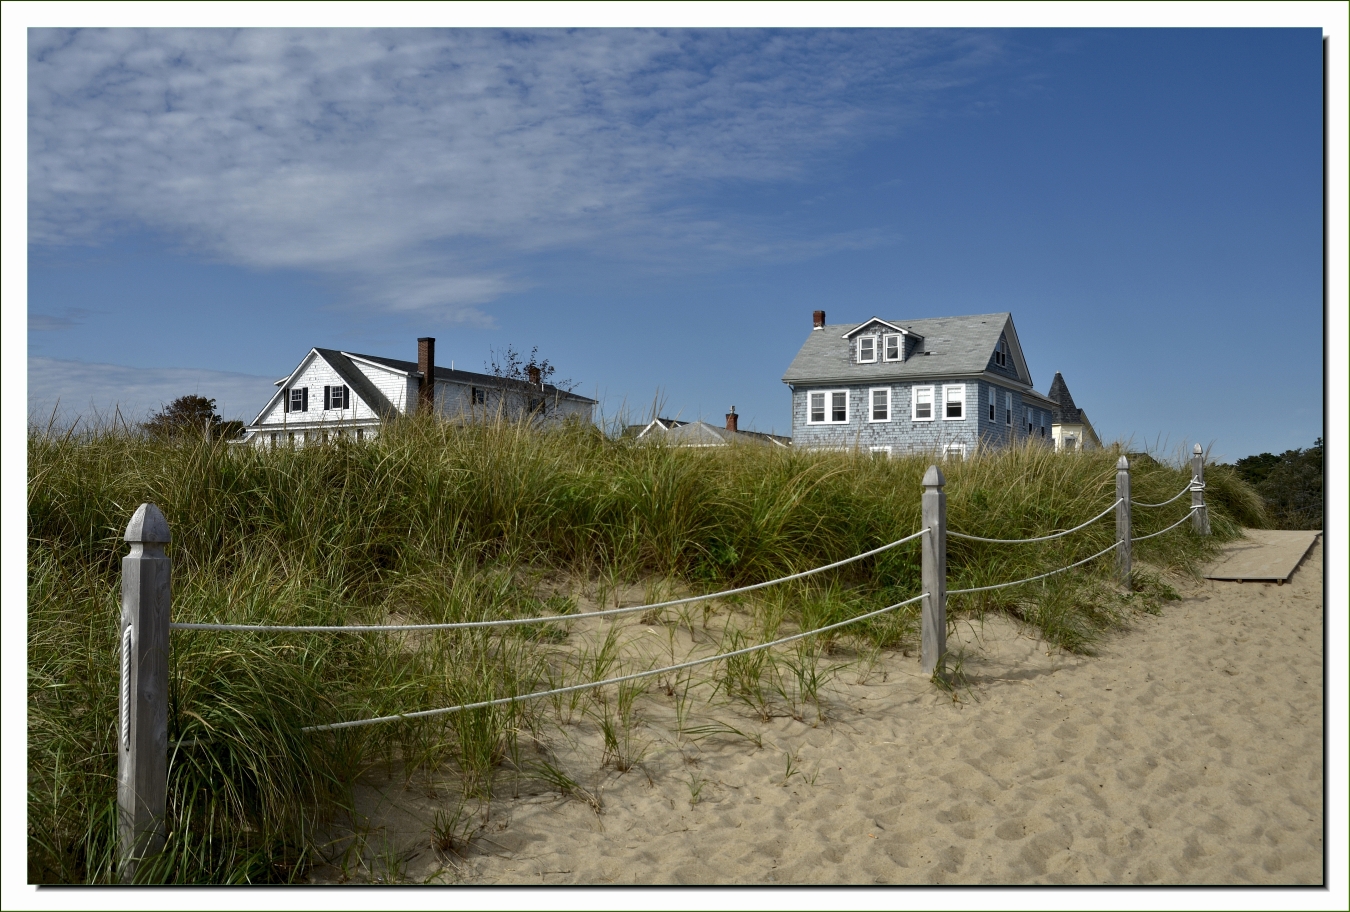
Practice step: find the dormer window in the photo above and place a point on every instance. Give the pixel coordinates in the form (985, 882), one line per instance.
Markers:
(867, 349)
(894, 347)
(1001, 353)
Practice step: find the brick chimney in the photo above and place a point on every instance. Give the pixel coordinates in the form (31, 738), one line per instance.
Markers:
(731, 419)
(426, 365)
(818, 319)
(536, 380)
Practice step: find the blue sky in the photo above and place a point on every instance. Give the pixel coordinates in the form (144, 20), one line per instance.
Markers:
(660, 211)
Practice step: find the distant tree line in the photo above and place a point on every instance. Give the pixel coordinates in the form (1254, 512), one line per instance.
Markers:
(1290, 484)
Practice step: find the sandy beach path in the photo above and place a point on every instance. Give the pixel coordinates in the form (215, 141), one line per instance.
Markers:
(1188, 751)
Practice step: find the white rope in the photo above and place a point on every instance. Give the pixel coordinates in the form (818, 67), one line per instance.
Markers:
(1171, 527)
(508, 622)
(619, 680)
(1009, 541)
(1190, 486)
(1031, 578)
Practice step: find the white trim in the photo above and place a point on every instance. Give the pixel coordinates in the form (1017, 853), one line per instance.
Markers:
(861, 340)
(871, 404)
(947, 398)
(866, 323)
(1007, 408)
(914, 402)
(829, 406)
(880, 449)
(899, 346)
(955, 449)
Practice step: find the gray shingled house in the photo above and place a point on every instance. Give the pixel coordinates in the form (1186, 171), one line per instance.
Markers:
(949, 384)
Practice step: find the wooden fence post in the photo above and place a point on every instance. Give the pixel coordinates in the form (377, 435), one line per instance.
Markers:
(1200, 519)
(1123, 520)
(934, 506)
(143, 722)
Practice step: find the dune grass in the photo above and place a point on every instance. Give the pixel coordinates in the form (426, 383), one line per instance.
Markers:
(434, 522)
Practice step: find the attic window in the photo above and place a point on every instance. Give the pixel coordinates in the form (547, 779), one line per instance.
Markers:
(298, 400)
(894, 348)
(1001, 354)
(867, 349)
(336, 397)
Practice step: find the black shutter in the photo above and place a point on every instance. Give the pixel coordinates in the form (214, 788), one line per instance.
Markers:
(304, 399)
(346, 397)
(327, 398)
(285, 400)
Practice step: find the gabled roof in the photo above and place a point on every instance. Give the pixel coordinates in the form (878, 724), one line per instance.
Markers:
(701, 433)
(951, 347)
(877, 321)
(461, 376)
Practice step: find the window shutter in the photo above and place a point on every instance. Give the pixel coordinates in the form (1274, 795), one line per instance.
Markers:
(304, 399)
(346, 397)
(327, 398)
(285, 401)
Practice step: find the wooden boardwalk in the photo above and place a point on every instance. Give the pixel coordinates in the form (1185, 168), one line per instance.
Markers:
(1265, 555)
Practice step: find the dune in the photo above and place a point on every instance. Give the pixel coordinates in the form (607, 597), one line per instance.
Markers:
(1189, 750)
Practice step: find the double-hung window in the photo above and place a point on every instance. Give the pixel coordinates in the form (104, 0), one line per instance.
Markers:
(827, 407)
(867, 349)
(336, 397)
(1007, 407)
(893, 347)
(922, 403)
(479, 395)
(881, 404)
(297, 400)
(954, 402)
(1001, 354)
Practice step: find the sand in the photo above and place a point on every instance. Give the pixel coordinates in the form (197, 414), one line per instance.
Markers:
(1189, 750)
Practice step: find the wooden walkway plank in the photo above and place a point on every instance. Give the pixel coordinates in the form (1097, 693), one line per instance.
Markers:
(1264, 555)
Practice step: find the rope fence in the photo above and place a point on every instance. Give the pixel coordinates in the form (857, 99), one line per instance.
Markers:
(509, 622)
(145, 627)
(1015, 541)
(1190, 486)
(573, 688)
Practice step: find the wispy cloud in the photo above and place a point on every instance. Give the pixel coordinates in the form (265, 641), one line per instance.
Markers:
(68, 318)
(417, 166)
(79, 388)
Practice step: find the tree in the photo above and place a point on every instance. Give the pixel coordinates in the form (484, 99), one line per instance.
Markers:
(1290, 484)
(190, 415)
(511, 365)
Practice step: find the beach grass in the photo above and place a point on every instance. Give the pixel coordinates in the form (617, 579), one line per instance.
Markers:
(435, 522)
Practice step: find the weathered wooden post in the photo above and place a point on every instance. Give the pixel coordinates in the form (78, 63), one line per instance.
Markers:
(143, 729)
(1123, 520)
(1200, 518)
(934, 572)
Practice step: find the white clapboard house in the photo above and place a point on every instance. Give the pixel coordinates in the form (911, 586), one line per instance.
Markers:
(335, 392)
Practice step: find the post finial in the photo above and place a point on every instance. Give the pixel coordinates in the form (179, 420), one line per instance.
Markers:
(1198, 450)
(933, 477)
(147, 525)
(1122, 463)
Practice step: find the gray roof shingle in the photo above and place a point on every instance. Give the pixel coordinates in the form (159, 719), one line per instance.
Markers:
(951, 347)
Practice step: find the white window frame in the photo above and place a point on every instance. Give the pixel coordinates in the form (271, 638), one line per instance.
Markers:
(872, 404)
(1007, 407)
(955, 449)
(899, 341)
(880, 451)
(1001, 353)
(917, 391)
(829, 406)
(947, 398)
(873, 341)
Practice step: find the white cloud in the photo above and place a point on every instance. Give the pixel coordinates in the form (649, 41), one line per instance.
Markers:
(413, 164)
(72, 388)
